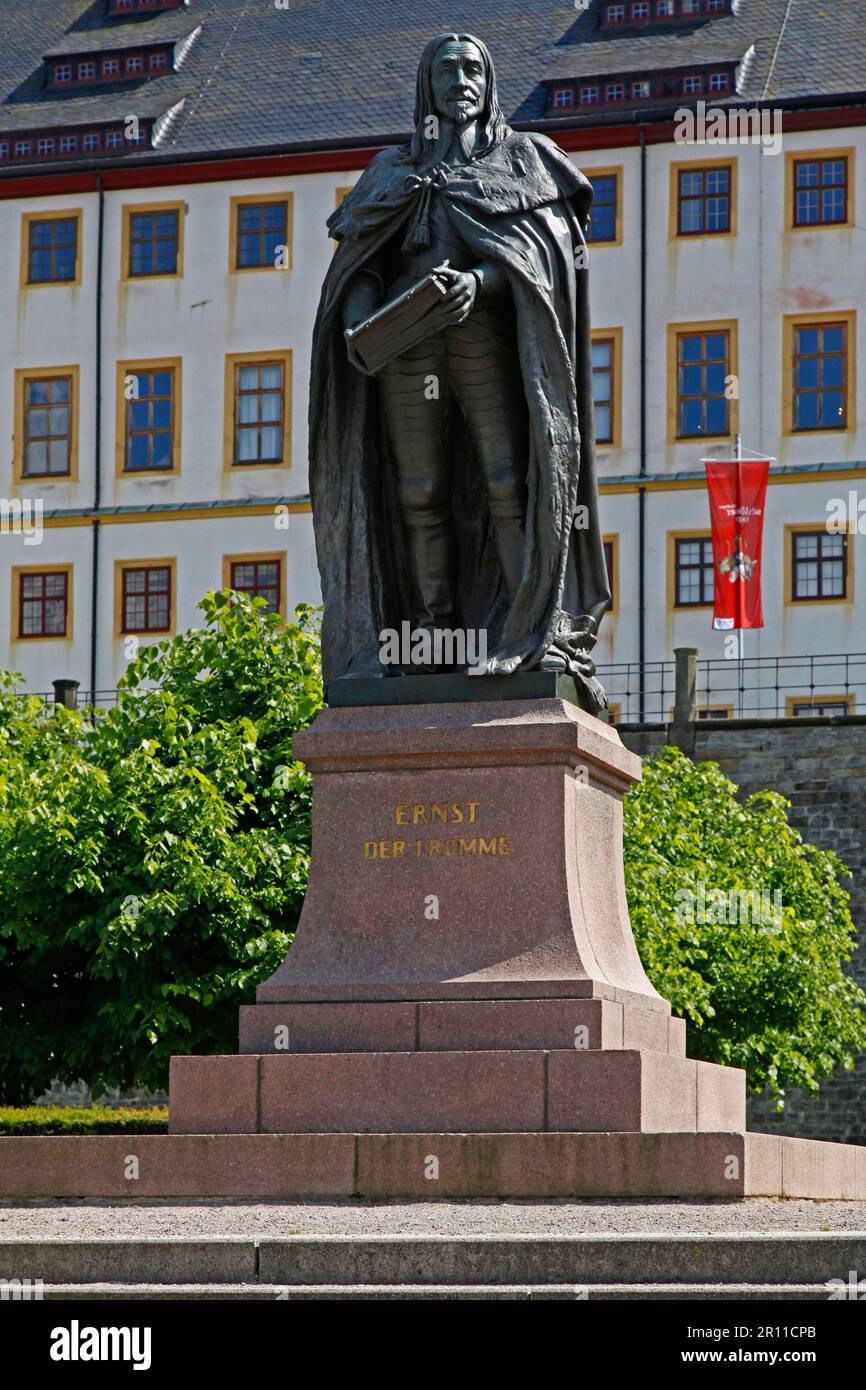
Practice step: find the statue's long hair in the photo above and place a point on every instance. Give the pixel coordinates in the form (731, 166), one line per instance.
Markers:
(491, 123)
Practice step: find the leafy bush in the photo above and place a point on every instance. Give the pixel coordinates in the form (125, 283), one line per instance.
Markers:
(769, 995)
(153, 860)
(79, 1119)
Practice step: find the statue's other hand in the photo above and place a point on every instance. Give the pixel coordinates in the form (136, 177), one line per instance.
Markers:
(459, 299)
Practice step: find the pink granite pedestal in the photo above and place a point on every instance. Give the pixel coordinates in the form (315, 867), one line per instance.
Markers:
(464, 966)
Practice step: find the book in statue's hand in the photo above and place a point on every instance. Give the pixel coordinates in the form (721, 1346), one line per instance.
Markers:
(399, 324)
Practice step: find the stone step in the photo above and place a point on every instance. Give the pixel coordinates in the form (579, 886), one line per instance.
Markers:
(575, 1262)
(523, 1091)
(414, 1292)
(437, 1025)
(727, 1165)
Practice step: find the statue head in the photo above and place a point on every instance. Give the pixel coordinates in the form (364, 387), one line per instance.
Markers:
(456, 82)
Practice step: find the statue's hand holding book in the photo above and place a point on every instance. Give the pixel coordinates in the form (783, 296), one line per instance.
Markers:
(443, 297)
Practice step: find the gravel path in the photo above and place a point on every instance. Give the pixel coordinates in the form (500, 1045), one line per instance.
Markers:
(80, 1220)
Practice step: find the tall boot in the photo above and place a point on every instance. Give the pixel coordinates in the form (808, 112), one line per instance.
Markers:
(431, 563)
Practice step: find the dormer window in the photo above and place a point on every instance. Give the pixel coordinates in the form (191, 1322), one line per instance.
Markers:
(615, 14)
(689, 7)
(158, 62)
(111, 67)
(45, 145)
(62, 72)
(718, 81)
(134, 65)
(692, 84)
(641, 90)
(614, 91)
(588, 96)
(716, 6)
(563, 96)
(86, 71)
(665, 9)
(640, 9)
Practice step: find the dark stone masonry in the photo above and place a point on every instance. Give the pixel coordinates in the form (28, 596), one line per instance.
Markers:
(820, 766)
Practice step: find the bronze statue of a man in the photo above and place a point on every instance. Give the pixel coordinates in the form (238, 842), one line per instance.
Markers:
(455, 488)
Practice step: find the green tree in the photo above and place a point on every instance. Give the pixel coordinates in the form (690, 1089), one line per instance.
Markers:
(153, 859)
(761, 990)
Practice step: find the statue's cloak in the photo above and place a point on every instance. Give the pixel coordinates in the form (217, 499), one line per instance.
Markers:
(524, 206)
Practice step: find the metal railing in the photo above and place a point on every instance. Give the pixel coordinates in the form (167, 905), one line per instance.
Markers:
(758, 687)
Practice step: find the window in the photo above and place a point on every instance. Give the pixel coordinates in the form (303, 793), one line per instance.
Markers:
(641, 89)
(259, 229)
(820, 376)
(611, 561)
(68, 144)
(4, 149)
(692, 84)
(690, 7)
(664, 9)
(259, 392)
(715, 6)
(693, 572)
(614, 91)
(153, 241)
(812, 706)
(52, 249)
(113, 139)
(702, 366)
(134, 64)
(45, 145)
(111, 67)
(718, 81)
(150, 399)
(43, 603)
(146, 598)
(45, 427)
(22, 147)
(603, 389)
(86, 71)
(820, 192)
(716, 712)
(588, 95)
(91, 141)
(615, 14)
(819, 566)
(563, 96)
(158, 61)
(62, 72)
(640, 9)
(604, 216)
(259, 577)
(704, 199)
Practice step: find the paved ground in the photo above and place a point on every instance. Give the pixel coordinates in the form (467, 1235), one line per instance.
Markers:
(80, 1220)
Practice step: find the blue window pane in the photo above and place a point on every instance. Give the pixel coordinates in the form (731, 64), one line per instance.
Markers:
(833, 338)
(691, 380)
(807, 206)
(138, 451)
(139, 412)
(691, 185)
(602, 422)
(691, 349)
(806, 373)
(806, 412)
(162, 384)
(717, 180)
(717, 416)
(807, 340)
(717, 214)
(161, 415)
(832, 410)
(166, 256)
(833, 205)
(833, 372)
(691, 417)
(716, 345)
(142, 224)
(834, 171)
(690, 216)
(716, 378)
(807, 173)
(161, 451)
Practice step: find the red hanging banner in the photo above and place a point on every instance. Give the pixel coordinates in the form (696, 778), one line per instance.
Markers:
(737, 490)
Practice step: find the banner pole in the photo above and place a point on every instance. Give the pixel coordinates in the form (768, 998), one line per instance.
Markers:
(741, 645)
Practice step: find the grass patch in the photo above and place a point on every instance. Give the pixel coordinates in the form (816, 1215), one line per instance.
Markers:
(80, 1119)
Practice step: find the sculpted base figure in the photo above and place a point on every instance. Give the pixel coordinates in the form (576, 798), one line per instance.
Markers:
(456, 489)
